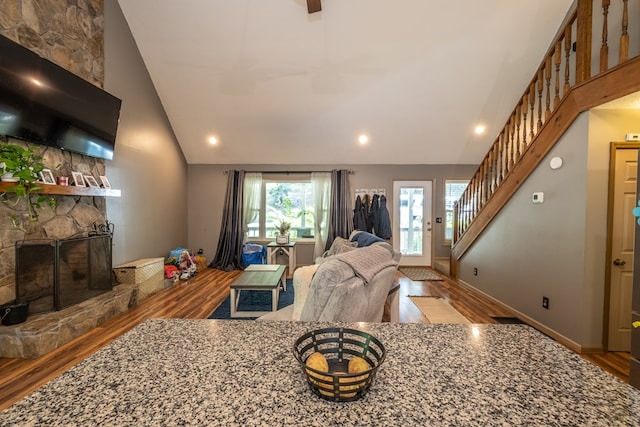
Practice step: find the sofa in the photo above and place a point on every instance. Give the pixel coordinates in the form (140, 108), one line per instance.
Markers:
(354, 281)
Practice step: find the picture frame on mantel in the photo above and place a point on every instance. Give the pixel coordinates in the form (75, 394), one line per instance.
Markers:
(78, 179)
(105, 181)
(91, 181)
(47, 177)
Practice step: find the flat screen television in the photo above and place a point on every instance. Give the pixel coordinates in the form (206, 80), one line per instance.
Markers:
(43, 103)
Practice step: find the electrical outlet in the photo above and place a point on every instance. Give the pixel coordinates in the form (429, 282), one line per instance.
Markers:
(475, 271)
(545, 303)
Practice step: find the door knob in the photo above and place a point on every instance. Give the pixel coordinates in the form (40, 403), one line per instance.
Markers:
(619, 262)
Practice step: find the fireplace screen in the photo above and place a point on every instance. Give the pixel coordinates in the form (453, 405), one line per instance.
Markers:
(54, 274)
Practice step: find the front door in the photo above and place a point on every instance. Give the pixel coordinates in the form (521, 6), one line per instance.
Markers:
(621, 261)
(412, 221)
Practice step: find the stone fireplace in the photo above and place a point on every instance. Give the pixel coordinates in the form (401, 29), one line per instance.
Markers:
(69, 286)
(56, 274)
(70, 33)
(72, 216)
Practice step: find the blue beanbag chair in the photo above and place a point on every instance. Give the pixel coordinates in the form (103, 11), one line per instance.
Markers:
(253, 253)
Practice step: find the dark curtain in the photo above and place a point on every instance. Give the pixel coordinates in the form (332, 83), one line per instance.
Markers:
(340, 215)
(229, 252)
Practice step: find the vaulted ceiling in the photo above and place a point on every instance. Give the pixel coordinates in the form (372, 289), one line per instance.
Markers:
(276, 85)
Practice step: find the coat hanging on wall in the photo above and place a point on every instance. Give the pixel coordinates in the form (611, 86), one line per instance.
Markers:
(359, 216)
(371, 214)
(366, 206)
(383, 226)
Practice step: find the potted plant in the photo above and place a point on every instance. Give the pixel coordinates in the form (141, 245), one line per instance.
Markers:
(283, 232)
(9, 154)
(22, 166)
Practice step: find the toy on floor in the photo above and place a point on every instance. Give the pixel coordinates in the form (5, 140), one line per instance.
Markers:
(186, 265)
(171, 272)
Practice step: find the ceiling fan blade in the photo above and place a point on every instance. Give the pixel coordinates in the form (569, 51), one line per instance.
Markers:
(314, 6)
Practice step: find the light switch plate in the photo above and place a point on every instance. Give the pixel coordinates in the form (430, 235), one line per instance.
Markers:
(538, 197)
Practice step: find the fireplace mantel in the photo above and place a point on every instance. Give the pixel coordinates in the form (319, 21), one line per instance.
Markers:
(69, 190)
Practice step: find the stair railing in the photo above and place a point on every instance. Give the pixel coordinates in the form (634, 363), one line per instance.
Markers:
(568, 63)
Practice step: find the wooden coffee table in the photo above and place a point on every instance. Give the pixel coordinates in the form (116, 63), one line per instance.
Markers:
(258, 277)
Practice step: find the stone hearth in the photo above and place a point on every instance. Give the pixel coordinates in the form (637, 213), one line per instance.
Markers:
(43, 333)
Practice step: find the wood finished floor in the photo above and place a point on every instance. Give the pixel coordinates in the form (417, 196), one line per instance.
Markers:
(200, 296)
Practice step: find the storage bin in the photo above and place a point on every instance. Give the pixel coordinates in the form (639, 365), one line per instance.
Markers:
(151, 285)
(147, 273)
(138, 271)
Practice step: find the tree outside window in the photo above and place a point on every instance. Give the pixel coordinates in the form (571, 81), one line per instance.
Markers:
(290, 201)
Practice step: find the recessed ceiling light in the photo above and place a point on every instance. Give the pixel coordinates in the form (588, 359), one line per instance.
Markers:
(213, 140)
(480, 129)
(363, 139)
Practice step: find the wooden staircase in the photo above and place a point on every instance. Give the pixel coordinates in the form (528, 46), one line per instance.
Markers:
(563, 87)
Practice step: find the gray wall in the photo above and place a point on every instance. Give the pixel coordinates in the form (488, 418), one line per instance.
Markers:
(151, 216)
(207, 185)
(556, 249)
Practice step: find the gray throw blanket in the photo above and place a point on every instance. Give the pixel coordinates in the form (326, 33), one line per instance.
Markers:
(368, 261)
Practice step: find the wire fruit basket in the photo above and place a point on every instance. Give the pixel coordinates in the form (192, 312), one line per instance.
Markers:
(339, 346)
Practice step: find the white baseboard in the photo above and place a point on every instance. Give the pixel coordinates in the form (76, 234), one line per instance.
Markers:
(567, 342)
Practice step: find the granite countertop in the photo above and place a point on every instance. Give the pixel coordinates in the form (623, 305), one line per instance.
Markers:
(242, 373)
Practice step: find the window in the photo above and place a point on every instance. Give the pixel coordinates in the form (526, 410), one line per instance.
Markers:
(285, 200)
(453, 189)
(411, 212)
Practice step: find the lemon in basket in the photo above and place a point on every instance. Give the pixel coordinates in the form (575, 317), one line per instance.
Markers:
(318, 362)
(348, 387)
(357, 365)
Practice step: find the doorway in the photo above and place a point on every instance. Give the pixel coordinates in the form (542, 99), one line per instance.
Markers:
(412, 204)
(623, 177)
